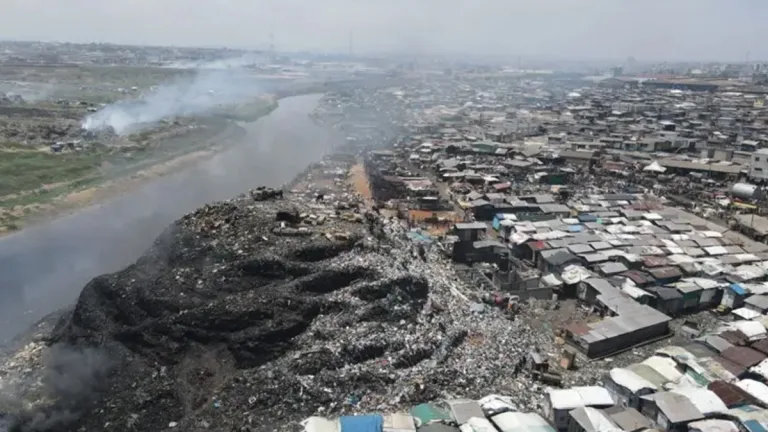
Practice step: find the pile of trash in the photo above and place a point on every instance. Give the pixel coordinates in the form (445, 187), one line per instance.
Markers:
(234, 321)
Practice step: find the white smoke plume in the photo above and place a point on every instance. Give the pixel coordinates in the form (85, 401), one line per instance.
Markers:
(68, 383)
(28, 91)
(200, 94)
(245, 60)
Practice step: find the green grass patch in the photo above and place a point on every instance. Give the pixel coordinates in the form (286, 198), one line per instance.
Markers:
(24, 172)
(30, 170)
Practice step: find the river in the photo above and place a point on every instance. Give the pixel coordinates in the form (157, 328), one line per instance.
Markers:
(44, 267)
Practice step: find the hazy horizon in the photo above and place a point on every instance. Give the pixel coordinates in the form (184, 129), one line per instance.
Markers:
(653, 30)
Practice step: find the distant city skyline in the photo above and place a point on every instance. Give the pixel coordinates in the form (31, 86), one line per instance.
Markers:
(651, 30)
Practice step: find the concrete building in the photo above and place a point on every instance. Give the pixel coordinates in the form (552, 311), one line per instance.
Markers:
(758, 168)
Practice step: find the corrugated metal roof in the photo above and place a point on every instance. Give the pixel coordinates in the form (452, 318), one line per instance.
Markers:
(735, 337)
(630, 420)
(750, 416)
(679, 354)
(577, 397)
(756, 389)
(717, 343)
(732, 367)
(320, 424)
(761, 345)
(713, 425)
(477, 424)
(630, 380)
(399, 422)
(743, 356)
(677, 408)
(753, 330)
(700, 350)
(693, 166)
(730, 394)
(716, 369)
(464, 409)
(426, 413)
(665, 273)
(592, 420)
(744, 313)
(706, 401)
(439, 427)
(649, 374)
(664, 366)
(758, 301)
(521, 422)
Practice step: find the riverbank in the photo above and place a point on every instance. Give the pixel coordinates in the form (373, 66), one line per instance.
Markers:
(46, 265)
(54, 200)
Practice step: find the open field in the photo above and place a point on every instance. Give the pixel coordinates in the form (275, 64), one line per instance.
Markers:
(46, 156)
(91, 84)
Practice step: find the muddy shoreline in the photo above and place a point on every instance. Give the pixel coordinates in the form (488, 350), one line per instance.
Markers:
(44, 267)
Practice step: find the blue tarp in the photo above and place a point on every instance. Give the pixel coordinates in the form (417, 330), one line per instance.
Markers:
(754, 426)
(575, 228)
(419, 237)
(738, 289)
(362, 423)
(587, 218)
(497, 221)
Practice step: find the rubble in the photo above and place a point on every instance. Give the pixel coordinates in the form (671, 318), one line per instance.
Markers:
(287, 326)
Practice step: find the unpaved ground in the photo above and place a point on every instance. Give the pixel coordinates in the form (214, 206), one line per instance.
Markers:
(67, 202)
(359, 181)
(89, 196)
(53, 162)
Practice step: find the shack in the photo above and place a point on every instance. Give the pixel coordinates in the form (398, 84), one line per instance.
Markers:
(398, 422)
(665, 300)
(628, 419)
(713, 425)
(733, 296)
(518, 422)
(627, 387)
(670, 411)
(361, 423)
(587, 419)
(634, 326)
(559, 403)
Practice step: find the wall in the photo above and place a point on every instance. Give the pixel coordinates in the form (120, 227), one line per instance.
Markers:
(758, 169)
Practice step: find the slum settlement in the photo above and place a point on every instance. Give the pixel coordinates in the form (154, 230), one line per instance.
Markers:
(619, 217)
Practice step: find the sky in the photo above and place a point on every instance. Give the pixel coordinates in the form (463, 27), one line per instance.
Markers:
(564, 29)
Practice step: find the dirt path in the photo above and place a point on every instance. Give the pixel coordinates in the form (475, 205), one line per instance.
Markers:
(359, 181)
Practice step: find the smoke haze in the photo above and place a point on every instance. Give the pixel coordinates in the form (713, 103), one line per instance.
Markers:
(44, 267)
(605, 29)
(204, 92)
(71, 378)
(229, 63)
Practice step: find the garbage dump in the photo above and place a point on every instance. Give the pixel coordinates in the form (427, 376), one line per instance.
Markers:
(230, 312)
(440, 256)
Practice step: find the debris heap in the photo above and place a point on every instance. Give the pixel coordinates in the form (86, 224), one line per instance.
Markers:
(254, 313)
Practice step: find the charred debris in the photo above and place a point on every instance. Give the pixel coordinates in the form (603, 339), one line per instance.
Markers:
(489, 253)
